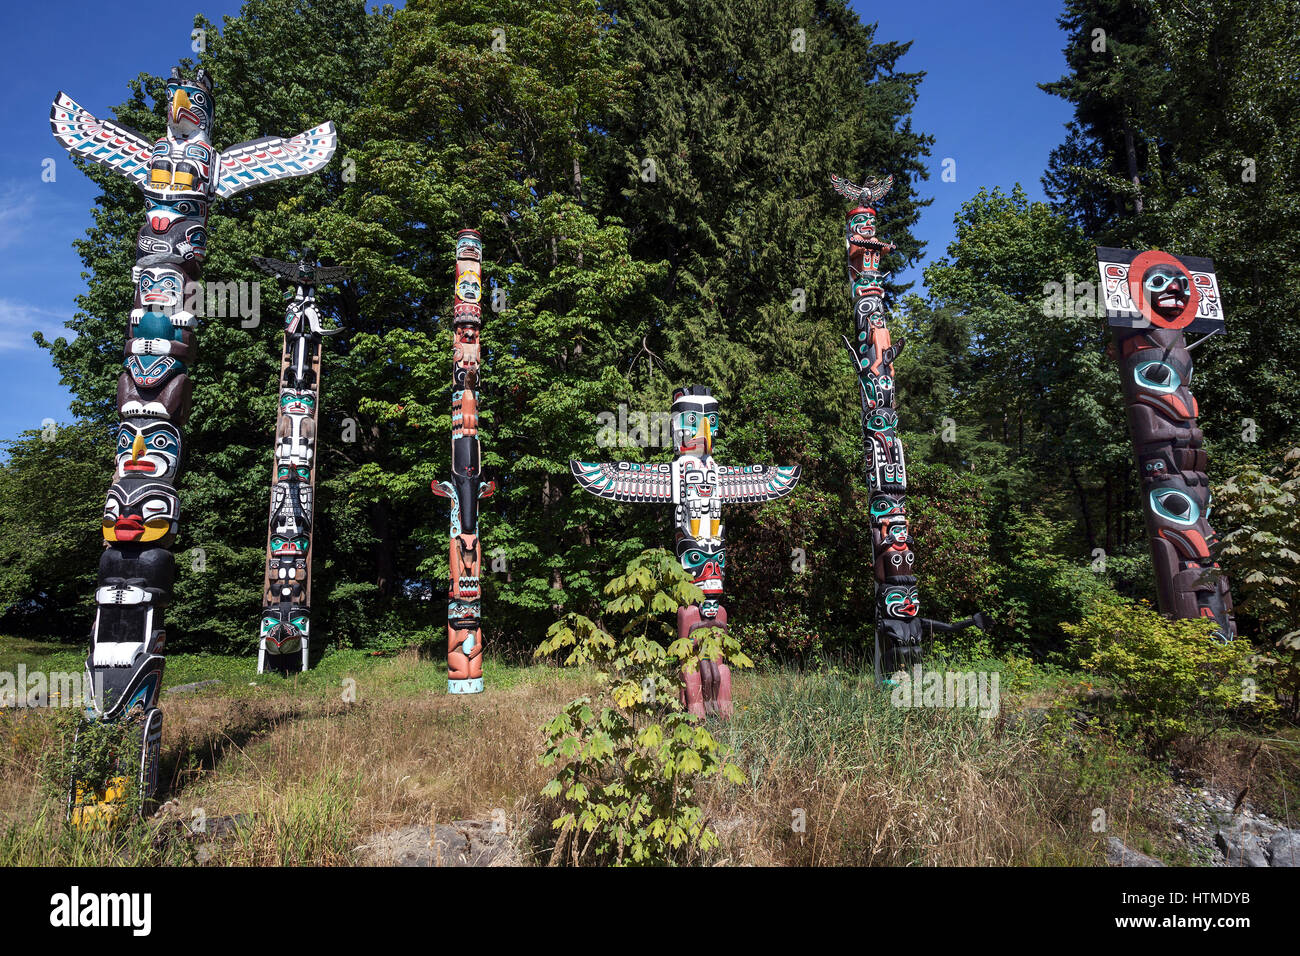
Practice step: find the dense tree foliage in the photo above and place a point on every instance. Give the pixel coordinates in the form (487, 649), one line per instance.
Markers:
(650, 180)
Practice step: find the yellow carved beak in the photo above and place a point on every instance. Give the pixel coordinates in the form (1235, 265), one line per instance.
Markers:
(137, 447)
(180, 101)
(705, 432)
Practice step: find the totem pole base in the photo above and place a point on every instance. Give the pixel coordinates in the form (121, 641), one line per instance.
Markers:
(290, 663)
(96, 808)
(707, 691)
(472, 685)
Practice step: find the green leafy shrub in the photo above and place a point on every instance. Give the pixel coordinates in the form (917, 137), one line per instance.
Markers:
(1170, 677)
(102, 756)
(1259, 525)
(1042, 589)
(630, 760)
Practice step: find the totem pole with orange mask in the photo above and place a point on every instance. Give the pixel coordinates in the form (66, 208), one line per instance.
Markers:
(1152, 299)
(697, 487)
(464, 620)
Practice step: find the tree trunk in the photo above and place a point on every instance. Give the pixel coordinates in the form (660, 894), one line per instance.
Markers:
(1088, 531)
(1130, 154)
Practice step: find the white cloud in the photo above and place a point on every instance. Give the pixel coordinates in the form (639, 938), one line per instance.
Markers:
(18, 320)
(17, 208)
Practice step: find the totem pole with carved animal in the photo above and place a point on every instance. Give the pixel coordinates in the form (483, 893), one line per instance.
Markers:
(464, 593)
(697, 487)
(899, 627)
(285, 629)
(180, 175)
(1152, 300)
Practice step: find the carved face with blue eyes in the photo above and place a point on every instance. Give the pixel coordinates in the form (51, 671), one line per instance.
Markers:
(1167, 289)
(285, 625)
(861, 224)
(695, 420)
(159, 289)
(706, 562)
(1174, 505)
(148, 449)
(469, 245)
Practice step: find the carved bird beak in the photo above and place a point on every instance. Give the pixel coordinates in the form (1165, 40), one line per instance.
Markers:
(137, 447)
(180, 101)
(706, 432)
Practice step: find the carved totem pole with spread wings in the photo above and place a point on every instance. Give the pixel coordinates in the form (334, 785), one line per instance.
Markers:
(180, 175)
(286, 591)
(697, 487)
(464, 593)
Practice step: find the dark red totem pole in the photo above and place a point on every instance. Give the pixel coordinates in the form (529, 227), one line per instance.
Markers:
(1152, 299)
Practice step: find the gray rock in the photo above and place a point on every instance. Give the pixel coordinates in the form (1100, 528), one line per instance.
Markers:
(1241, 847)
(460, 843)
(1284, 849)
(1117, 854)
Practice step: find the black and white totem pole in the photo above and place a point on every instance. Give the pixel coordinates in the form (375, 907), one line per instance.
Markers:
(180, 175)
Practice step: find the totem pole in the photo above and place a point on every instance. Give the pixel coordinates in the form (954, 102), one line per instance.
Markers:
(1152, 298)
(697, 487)
(899, 629)
(286, 591)
(464, 618)
(179, 175)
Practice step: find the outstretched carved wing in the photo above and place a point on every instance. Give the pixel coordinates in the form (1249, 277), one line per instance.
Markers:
(276, 267)
(328, 275)
(101, 141)
(272, 157)
(872, 191)
(626, 480)
(749, 483)
(290, 271)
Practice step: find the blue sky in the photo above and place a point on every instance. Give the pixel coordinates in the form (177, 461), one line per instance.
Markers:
(978, 100)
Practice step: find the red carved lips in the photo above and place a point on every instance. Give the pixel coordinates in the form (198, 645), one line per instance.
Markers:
(128, 528)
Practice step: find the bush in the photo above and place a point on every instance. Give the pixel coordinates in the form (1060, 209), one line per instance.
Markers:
(1171, 677)
(629, 769)
(1259, 525)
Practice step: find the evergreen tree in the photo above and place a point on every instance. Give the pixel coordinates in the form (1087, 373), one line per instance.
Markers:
(280, 67)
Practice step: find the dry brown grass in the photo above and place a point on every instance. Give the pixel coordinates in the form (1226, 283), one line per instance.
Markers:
(314, 777)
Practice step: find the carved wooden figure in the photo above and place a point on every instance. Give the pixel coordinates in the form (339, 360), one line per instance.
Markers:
(464, 596)
(697, 487)
(180, 175)
(899, 626)
(285, 631)
(1152, 299)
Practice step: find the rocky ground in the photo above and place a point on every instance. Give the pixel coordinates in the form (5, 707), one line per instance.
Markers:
(1219, 829)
